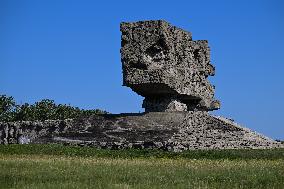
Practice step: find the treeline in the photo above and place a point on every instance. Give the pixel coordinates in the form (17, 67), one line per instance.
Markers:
(42, 110)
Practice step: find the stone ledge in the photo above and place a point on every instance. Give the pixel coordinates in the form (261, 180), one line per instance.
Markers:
(173, 131)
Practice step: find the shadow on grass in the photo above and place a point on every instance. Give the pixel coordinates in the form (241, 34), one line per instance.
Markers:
(57, 149)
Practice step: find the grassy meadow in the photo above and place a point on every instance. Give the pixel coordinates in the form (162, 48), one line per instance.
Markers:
(56, 166)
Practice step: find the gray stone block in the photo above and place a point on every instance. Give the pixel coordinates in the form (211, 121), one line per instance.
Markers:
(162, 61)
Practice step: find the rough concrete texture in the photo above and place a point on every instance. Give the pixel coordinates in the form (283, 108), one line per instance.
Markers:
(162, 61)
(23, 132)
(173, 131)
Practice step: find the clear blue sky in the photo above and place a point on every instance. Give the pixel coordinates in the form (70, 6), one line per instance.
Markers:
(68, 51)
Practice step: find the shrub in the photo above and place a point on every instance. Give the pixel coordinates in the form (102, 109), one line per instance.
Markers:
(7, 107)
(42, 110)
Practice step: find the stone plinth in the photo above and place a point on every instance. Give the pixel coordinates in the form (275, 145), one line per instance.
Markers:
(173, 131)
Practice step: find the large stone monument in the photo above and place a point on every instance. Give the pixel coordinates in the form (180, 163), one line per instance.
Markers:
(163, 64)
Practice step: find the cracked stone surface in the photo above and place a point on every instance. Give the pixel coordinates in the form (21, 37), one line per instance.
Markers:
(162, 61)
(172, 131)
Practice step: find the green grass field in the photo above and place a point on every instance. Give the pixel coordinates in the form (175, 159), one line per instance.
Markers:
(56, 166)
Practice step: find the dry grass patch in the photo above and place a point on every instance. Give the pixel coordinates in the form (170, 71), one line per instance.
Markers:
(53, 171)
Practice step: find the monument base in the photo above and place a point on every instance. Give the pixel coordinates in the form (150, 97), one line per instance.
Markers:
(173, 131)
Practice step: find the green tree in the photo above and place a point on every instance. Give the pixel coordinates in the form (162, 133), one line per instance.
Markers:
(45, 109)
(42, 110)
(25, 112)
(64, 111)
(7, 107)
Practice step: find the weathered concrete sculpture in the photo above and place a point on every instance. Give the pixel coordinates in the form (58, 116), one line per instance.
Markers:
(162, 63)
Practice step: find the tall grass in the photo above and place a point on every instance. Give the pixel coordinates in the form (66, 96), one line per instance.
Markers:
(56, 166)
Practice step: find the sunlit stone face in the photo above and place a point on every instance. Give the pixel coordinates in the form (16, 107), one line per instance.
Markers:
(162, 61)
